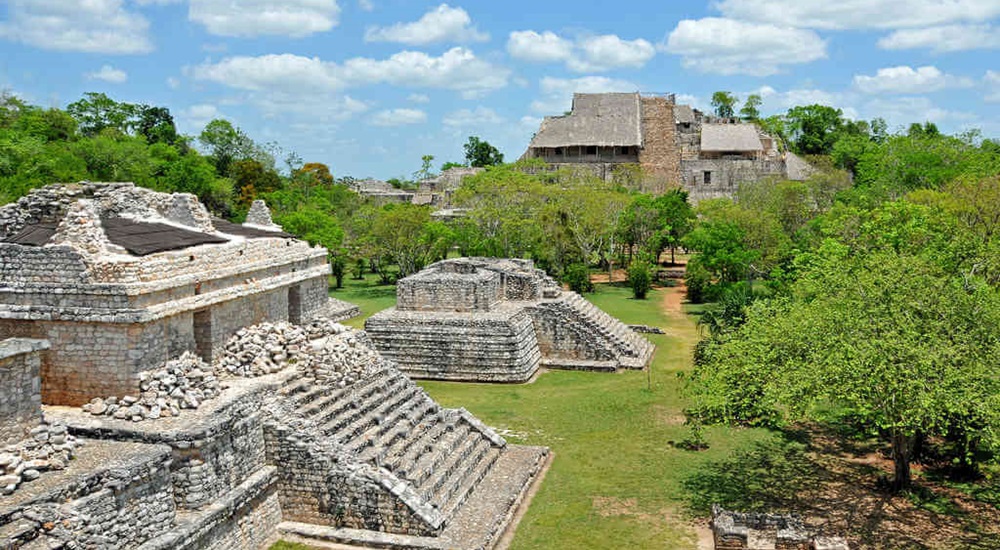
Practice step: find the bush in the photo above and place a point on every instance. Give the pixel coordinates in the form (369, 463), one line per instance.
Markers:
(577, 276)
(640, 278)
(698, 281)
(337, 268)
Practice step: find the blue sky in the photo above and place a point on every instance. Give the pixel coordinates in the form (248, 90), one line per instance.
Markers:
(369, 86)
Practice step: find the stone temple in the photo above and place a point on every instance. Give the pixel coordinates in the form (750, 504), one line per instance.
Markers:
(498, 320)
(173, 381)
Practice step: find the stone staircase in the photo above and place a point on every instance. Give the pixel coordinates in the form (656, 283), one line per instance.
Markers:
(609, 338)
(389, 423)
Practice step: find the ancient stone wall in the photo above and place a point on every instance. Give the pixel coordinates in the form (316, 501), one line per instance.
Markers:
(20, 387)
(726, 176)
(495, 347)
(449, 290)
(660, 155)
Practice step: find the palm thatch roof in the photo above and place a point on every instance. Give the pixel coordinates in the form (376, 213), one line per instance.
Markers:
(730, 137)
(603, 120)
(683, 114)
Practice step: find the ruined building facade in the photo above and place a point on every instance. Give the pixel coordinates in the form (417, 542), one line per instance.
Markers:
(675, 145)
(312, 435)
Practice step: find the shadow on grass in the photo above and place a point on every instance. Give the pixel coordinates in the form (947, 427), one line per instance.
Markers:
(834, 489)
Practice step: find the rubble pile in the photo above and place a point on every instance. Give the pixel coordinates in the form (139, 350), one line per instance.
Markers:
(340, 359)
(183, 383)
(262, 349)
(49, 447)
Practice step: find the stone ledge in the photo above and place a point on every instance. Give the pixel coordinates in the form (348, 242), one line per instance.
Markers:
(19, 346)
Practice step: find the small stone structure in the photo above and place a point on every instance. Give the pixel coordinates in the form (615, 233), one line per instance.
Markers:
(498, 320)
(755, 531)
(298, 430)
(120, 279)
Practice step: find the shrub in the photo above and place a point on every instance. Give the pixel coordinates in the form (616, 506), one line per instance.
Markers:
(577, 276)
(337, 268)
(698, 281)
(640, 278)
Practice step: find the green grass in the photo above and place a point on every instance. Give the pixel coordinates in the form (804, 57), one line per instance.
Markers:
(368, 294)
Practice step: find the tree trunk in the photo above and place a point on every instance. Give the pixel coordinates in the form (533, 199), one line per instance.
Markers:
(672, 261)
(901, 452)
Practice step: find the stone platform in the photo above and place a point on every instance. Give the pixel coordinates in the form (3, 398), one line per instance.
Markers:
(498, 320)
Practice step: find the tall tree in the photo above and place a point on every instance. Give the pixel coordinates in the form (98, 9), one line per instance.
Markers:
(750, 111)
(724, 104)
(814, 129)
(479, 153)
(97, 112)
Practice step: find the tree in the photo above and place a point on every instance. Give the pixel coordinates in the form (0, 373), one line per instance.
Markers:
(750, 111)
(479, 153)
(724, 104)
(449, 165)
(97, 112)
(227, 144)
(425, 171)
(640, 279)
(890, 337)
(813, 129)
(156, 124)
(316, 172)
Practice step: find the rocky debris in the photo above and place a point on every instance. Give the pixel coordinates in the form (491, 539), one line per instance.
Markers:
(340, 359)
(49, 447)
(322, 327)
(183, 383)
(646, 329)
(262, 349)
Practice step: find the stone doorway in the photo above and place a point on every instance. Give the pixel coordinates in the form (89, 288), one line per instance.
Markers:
(203, 334)
(295, 304)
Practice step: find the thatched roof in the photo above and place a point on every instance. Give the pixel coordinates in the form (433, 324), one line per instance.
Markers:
(604, 120)
(730, 137)
(683, 114)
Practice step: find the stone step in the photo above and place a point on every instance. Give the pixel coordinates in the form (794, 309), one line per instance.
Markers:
(399, 425)
(338, 417)
(448, 475)
(353, 431)
(351, 401)
(460, 492)
(406, 462)
(403, 450)
(438, 454)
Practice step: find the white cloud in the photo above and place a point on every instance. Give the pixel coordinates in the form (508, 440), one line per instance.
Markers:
(442, 24)
(947, 38)
(727, 46)
(586, 54)
(545, 47)
(901, 111)
(456, 69)
(992, 81)
(602, 53)
(774, 101)
(472, 118)
(860, 14)
(557, 93)
(285, 72)
(249, 18)
(366, 5)
(173, 82)
(292, 75)
(95, 26)
(418, 98)
(110, 74)
(399, 117)
(194, 118)
(907, 80)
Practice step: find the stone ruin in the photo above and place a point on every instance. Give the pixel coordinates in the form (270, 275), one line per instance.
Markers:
(498, 320)
(189, 386)
(759, 531)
